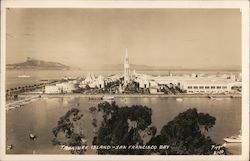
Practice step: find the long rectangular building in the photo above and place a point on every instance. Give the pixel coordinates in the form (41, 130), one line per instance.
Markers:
(207, 86)
(193, 85)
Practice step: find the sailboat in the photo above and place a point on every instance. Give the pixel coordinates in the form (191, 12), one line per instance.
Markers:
(179, 99)
(233, 139)
(23, 76)
(108, 98)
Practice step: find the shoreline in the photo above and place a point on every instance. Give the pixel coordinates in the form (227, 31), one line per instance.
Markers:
(27, 98)
(133, 95)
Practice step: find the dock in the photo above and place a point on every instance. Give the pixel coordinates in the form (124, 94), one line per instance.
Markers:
(19, 103)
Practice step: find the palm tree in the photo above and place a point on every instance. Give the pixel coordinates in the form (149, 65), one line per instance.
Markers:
(15, 90)
(23, 89)
(19, 89)
(7, 93)
(11, 91)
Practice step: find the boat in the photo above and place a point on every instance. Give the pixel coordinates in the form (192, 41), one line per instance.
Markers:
(10, 147)
(32, 136)
(179, 99)
(232, 96)
(233, 139)
(108, 98)
(23, 76)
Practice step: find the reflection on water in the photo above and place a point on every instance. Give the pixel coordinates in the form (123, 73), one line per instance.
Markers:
(41, 117)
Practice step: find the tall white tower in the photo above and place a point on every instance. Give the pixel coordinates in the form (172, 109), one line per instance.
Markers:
(126, 68)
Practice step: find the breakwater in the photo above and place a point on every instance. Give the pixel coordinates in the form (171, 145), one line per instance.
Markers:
(28, 98)
(19, 103)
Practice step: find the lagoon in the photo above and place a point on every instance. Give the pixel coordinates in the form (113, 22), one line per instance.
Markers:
(41, 116)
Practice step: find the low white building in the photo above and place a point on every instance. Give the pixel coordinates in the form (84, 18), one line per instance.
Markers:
(100, 82)
(66, 87)
(92, 81)
(52, 89)
(153, 87)
(207, 86)
(191, 84)
(143, 83)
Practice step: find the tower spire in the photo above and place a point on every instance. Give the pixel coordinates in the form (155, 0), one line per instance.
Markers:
(126, 68)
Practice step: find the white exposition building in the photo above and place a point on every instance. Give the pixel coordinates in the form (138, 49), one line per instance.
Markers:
(64, 87)
(189, 84)
(208, 86)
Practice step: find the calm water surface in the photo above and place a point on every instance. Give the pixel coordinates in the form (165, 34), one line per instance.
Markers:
(41, 116)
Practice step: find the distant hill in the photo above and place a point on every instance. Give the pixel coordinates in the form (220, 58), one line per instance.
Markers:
(35, 64)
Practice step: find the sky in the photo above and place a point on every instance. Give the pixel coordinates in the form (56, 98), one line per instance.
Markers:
(95, 37)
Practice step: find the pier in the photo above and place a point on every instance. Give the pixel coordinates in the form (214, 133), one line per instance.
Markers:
(19, 103)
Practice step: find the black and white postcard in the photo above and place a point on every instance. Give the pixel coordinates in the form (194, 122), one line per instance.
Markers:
(125, 80)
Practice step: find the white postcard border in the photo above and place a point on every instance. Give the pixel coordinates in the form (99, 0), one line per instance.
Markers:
(243, 5)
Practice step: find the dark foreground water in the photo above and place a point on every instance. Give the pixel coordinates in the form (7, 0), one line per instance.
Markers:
(41, 116)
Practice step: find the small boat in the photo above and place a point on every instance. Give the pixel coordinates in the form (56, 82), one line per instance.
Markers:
(32, 136)
(232, 96)
(233, 139)
(10, 147)
(179, 99)
(108, 98)
(23, 76)
(210, 97)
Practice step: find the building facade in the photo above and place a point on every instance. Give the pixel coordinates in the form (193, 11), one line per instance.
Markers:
(52, 90)
(207, 87)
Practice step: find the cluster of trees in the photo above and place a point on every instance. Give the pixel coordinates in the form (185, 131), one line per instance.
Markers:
(13, 92)
(67, 127)
(116, 130)
(185, 134)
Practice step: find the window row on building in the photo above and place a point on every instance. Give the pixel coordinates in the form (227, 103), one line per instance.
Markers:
(207, 87)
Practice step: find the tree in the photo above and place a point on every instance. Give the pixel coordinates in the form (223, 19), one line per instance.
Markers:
(185, 134)
(66, 125)
(122, 126)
